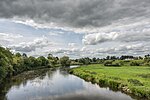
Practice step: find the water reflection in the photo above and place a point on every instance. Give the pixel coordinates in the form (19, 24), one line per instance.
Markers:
(59, 85)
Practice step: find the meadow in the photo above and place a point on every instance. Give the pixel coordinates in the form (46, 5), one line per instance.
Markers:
(134, 80)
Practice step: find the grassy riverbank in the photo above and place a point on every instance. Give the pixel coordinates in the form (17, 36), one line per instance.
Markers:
(129, 79)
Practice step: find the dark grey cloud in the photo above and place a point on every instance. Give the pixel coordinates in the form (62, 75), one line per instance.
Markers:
(75, 13)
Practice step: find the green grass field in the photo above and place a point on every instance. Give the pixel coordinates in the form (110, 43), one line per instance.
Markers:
(130, 79)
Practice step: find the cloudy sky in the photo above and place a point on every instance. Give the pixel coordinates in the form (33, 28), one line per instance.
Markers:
(77, 28)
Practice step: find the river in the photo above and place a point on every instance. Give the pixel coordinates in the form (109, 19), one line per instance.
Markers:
(59, 85)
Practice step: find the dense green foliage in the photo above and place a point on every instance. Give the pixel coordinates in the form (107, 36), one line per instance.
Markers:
(130, 79)
(13, 64)
(6, 61)
(115, 61)
(64, 61)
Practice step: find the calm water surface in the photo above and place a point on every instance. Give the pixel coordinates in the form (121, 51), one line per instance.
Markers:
(59, 85)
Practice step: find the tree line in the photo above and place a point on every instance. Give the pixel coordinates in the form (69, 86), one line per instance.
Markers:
(13, 64)
(115, 61)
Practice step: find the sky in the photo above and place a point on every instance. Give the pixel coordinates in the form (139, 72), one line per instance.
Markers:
(76, 28)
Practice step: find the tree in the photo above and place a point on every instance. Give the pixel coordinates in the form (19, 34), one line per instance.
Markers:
(85, 60)
(32, 61)
(5, 63)
(18, 54)
(113, 57)
(39, 61)
(19, 64)
(51, 60)
(43, 60)
(2, 73)
(24, 55)
(94, 59)
(50, 56)
(108, 57)
(65, 61)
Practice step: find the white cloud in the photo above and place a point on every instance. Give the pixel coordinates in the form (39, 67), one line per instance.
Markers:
(92, 39)
(32, 23)
(9, 37)
(131, 32)
(32, 45)
(72, 44)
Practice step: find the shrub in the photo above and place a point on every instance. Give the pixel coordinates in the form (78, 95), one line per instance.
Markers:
(134, 63)
(135, 82)
(103, 82)
(147, 63)
(108, 63)
(116, 64)
(114, 84)
(112, 63)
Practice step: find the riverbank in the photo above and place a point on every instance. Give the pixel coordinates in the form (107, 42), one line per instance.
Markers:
(131, 80)
(2, 82)
(55, 84)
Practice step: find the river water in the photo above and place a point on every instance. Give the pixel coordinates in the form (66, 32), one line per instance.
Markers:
(59, 85)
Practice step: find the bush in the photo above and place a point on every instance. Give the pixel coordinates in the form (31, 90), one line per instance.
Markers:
(108, 63)
(147, 63)
(134, 63)
(112, 63)
(135, 82)
(116, 64)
